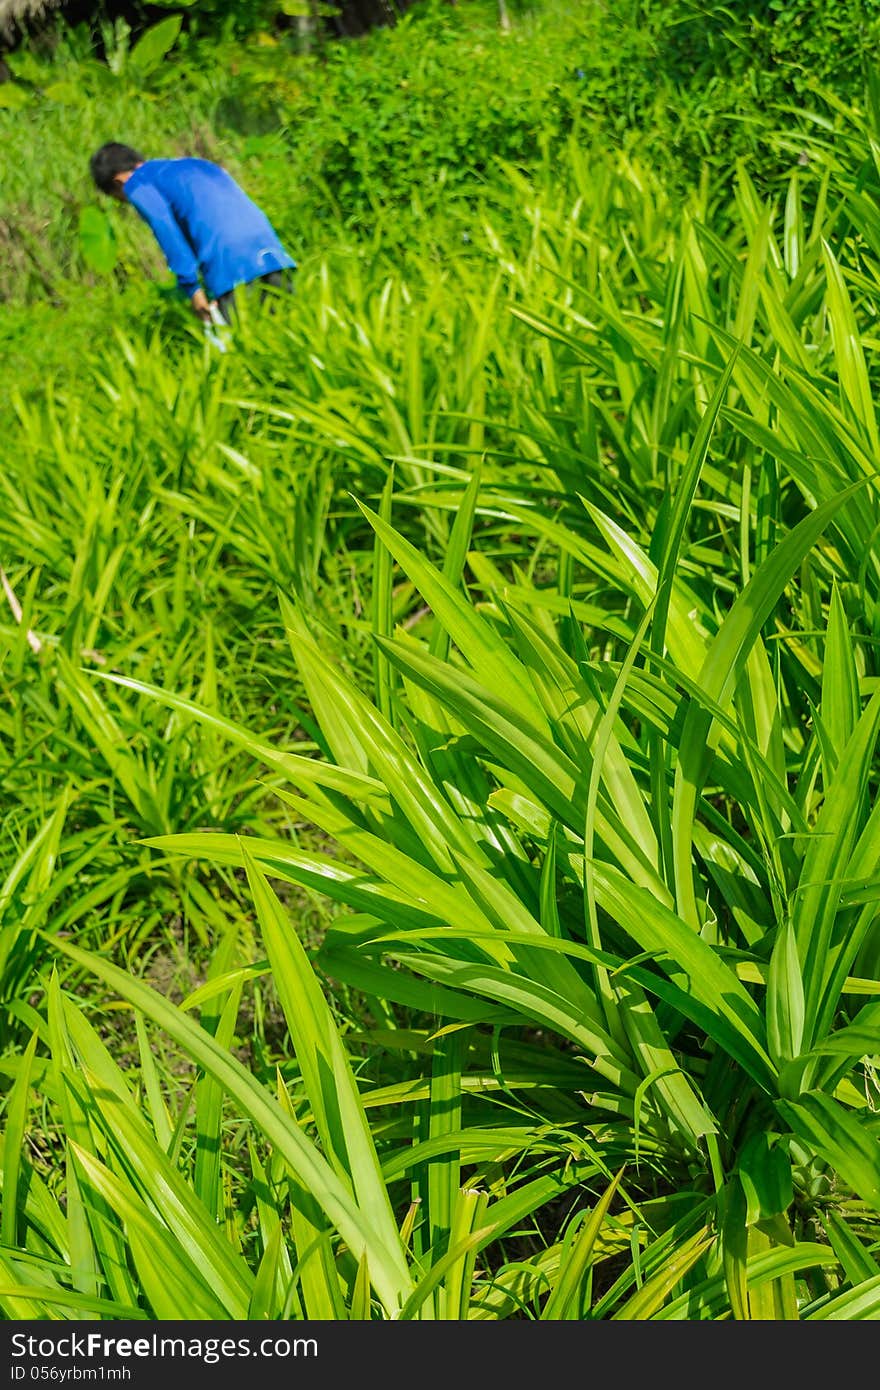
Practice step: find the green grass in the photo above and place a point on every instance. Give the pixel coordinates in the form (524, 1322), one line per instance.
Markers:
(438, 767)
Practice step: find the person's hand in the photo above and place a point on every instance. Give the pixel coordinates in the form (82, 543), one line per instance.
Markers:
(201, 307)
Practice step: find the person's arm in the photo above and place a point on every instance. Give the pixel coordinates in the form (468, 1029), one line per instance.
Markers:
(158, 215)
(201, 304)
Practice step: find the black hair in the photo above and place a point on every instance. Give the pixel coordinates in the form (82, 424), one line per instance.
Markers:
(111, 160)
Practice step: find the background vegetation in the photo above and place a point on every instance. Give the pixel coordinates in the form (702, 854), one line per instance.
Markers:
(437, 746)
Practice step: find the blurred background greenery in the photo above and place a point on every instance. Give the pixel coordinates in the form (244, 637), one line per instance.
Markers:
(437, 737)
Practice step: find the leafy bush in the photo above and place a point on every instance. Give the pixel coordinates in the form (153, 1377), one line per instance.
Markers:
(398, 140)
(438, 756)
(591, 733)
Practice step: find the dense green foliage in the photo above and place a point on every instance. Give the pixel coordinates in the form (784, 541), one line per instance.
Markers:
(438, 738)
(393, 144)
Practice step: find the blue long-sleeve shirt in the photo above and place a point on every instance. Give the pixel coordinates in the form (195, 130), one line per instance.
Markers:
(206, 225)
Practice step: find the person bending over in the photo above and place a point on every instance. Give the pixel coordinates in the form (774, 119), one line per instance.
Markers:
(213, 236)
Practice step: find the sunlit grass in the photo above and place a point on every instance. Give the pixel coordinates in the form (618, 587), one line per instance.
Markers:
(522, 612)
